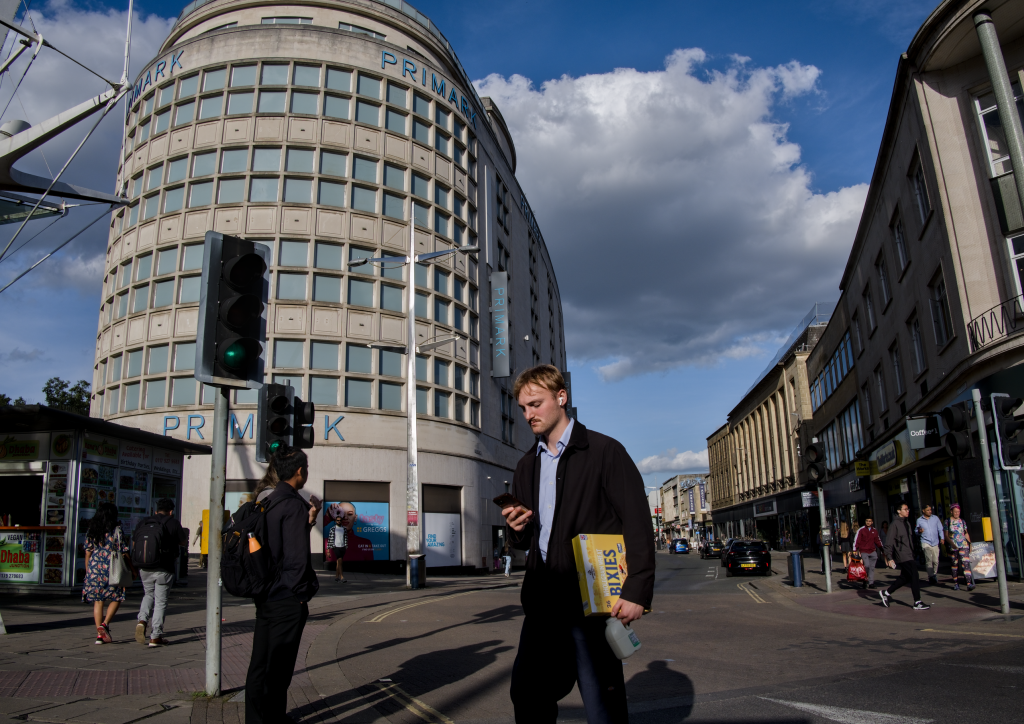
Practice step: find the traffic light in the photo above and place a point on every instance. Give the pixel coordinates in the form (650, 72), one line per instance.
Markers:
(958, 441)
(282, 420)
(232, 303)
(815, 455)
(1006, 430)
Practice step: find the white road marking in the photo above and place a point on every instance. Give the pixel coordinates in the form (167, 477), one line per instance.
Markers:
(712, 572)
(850, 716)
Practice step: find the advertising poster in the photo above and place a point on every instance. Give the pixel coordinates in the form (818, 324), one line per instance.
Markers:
(443, 538)
(136, 456)
(53, 558)
(60, 445)
(19, 556)
(983, 560)
(166, 462)
(57, 485)
(369, 538)
(98, 449)
(22, 448)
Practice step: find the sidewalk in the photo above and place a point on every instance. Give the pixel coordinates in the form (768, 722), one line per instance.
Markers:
(54, 672)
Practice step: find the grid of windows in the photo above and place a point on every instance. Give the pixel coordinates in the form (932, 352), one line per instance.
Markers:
(835, 370)
(842, 437)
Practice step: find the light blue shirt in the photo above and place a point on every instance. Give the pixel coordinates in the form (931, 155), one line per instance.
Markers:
(548, 491)
(933, 530)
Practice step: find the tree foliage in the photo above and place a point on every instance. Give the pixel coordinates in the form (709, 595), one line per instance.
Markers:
(63, 396)
(6, 400)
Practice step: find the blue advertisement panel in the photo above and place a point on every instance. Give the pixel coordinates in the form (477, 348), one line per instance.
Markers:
(367, 530)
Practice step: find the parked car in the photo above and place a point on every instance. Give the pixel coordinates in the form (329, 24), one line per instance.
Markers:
(725, 549)
(748, 556)
(679, 545)
(711, 549)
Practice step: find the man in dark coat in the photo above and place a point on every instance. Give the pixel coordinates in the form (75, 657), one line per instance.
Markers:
(572, 481)
(899, 549)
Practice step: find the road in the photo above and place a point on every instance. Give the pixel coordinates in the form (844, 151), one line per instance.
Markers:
(715, 649)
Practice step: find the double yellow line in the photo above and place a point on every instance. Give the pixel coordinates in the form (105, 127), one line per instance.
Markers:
(421, 602)
(751, 592)
(421, 709)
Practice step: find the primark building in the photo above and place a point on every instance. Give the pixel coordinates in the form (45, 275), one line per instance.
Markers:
(330, 131)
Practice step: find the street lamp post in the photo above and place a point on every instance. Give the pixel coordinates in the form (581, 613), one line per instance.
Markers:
(415, 566)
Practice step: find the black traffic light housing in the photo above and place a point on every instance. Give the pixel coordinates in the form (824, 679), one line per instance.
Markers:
(959, 442)
(815, 455)
(232, 312)
(1006, 429)
(282, 421)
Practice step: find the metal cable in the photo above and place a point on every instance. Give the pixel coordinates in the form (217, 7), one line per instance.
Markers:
(25, 243)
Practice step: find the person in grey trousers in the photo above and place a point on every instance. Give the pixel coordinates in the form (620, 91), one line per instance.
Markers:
(868, 544)
(899, 549)
(158, 580)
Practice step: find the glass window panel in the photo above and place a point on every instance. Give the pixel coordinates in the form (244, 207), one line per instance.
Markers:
(263, 189)
(232, 191)
(153, 178)
(274, 74)
(441, 143)
(391, 363)
(299, 160)
(441, 400)
(395, 121)
(368, 113)
(200, 194)
(173, 199)
(368, 86)
(357, 393)
(460, 290)
(421, 215)
(441, 372)
(333, 164)
(360, 292)
(115, 368)
(422, 396)
(234, 160)
(441, 196)
(422, 365)
(355, 254)
(460, 319)
(243, 75)
(421, 105)
(294, 253)
(306, 75)
(157, 360)
(421, 305)
(390, 396)
(133, 215)
(459, 381)
(324, 355)
(340, 80)
(421, 131)
(131, 397)
(166, 95)
(358, 359)
(331, 194)
(144, 267)
(440, 281)
(328, 256)
(192, 259)
(188, 86)
(163, 293)
(122, 305)
(307, 103)
(184, 356)
(184, 113)
(291, 286)
(161, 122)
(390, 298)
(266, 159)
(204, 164)
(176, 170)
(335, 107)
(420, 186)
(150, 206)
(156, 393)
(323, 390)
(298, 190)
(393, 271)
(190, 288)
(422, 274)
(441, 311)
(210, 107)
(364, 199)
(440, 223)
(326, 289)
(240, 103)
(394, 206)
(288, 353)
(133, 368)
(271, 102)
(183, 391)
(394, 177)
(363, 169)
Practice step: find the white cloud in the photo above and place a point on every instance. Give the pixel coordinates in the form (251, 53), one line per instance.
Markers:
(682, 227)
(672, 461)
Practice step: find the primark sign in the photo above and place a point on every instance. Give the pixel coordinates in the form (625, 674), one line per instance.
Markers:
(195, 424)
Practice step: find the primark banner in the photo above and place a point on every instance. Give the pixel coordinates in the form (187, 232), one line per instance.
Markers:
(500, 365)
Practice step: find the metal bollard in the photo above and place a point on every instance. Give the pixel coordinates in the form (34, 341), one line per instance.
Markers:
(796, 568)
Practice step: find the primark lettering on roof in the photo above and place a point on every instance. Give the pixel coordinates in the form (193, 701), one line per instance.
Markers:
(455, 99)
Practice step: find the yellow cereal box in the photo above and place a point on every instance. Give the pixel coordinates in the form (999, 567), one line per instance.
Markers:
(601, 569)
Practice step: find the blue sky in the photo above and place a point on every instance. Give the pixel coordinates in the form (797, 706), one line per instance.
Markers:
(802, 89)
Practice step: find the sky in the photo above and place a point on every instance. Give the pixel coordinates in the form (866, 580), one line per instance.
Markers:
(698, 171)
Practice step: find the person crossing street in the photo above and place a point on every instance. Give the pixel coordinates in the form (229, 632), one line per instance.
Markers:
(899, 549)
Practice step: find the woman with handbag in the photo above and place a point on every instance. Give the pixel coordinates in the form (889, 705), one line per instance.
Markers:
(107, 573)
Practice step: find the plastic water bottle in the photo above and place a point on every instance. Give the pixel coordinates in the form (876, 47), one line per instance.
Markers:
(254, 545)
(622, 639)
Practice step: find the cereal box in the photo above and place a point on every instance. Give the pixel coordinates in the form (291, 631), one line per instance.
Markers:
(601, 569)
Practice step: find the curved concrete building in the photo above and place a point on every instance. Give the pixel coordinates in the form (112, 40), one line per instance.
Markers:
(324, 129)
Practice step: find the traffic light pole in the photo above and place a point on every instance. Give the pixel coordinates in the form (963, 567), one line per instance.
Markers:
(413, 514)
(826, 549)
(219, 442)
(993, 504)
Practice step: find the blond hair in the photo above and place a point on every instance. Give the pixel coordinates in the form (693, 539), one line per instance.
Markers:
(547, 376)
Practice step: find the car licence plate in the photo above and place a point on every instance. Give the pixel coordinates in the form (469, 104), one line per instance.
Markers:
(748, 565)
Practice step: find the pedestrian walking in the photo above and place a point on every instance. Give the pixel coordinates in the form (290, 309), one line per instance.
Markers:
(845, 543)
(199, 538)
(156, 569)
(959, 542)
(899, 549)
(506, 559)
(932, 532)
(572, 481)
(868, 543)
(104, 541)
(345, 516)
(281, 613)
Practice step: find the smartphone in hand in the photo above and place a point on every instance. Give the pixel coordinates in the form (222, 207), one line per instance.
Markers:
(507, 500)
(315, 501)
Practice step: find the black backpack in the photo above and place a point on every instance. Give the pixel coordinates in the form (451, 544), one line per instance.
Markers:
(243, 573)
(150, 542)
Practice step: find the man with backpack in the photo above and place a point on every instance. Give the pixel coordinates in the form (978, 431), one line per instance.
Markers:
(155, 543)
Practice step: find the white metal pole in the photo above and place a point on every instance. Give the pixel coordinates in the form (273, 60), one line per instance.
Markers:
(123, 183)
(412, 489)
(218, 466)
(993, 503)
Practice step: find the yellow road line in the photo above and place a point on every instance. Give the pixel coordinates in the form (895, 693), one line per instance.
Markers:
(750, 592)
(425, 712)
(973, 633)
(422, 602)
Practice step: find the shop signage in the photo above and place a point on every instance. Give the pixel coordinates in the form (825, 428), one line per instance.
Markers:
(691, 502)
(864, 468)
(924, 432)
(60, 445)
(441, 88)
(136, 456)
(500, 363)
(703, 497)
(855, 485)
(100, 450)
(162, 69)
(13, 449)
(19, 556)
(166, 462)
(889, 456)
(196, 422)
(444, 539)
(809, 499)
(764, 508)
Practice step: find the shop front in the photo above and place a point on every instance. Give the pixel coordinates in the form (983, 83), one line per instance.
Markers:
(56, 468)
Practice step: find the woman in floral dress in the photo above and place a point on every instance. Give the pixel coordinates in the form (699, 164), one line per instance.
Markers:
(959, 541)
(101, 543)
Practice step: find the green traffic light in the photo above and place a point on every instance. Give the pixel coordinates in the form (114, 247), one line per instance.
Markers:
(234, 356)
(275, 446)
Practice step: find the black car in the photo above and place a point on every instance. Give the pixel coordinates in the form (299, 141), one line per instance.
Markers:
(711, 549)
(725, 549)
(750, 556)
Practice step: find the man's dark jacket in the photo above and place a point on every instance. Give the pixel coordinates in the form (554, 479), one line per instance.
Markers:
(288, 532)
(171, 536)
(598, 491)
(899, 543)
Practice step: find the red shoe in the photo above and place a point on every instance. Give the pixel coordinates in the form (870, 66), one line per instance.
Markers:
(103, 634)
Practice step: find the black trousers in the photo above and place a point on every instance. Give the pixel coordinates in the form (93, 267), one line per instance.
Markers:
(275, 646)
(908, 574)
(552, 658)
